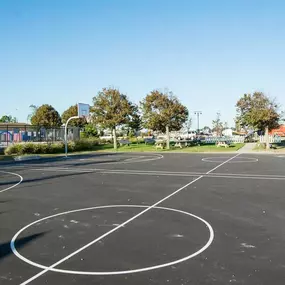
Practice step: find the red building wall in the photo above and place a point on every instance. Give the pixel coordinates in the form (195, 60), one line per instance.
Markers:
(280, 131)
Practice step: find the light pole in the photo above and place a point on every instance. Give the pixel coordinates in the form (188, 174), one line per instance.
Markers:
(198, 113)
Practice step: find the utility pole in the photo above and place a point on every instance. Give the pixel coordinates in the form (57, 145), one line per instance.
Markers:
(198, 113)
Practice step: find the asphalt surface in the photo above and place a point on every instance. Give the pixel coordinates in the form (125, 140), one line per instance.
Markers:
(144, 219)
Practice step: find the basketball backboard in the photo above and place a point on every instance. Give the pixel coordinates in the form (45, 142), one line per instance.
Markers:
(83, 110)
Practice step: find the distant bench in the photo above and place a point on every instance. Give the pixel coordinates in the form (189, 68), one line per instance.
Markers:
(160, 144)
(223, 144)
(124, 142)
(185, 143)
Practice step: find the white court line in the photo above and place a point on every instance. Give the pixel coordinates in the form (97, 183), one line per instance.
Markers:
(130, 271)
(250, 175)
(129, 160)
(214, 175)
(133, 158)
(104, 170)
(54, 169)
(122, 225)
(245, 177)
(164, 173)
(244, 159)
(15, 174)
(108, 233)
(222, 164)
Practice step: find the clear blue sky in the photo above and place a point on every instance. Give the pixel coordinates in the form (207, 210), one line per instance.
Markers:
(207, 52)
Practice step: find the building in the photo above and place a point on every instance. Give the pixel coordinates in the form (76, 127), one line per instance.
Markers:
(279, 131)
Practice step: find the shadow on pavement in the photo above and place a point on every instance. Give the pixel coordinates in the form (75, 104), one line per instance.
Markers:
(5, 248)
(37, 179)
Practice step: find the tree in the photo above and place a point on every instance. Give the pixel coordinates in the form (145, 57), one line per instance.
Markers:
(46, 116)
(218, 125)
(90, 131)
(111, 109)
(188, 125)
(8, 119)
(70, 112)
(225, 125)
(33, 111)
(135, 122)
(206, 129)
(258, 112)
(163, 109)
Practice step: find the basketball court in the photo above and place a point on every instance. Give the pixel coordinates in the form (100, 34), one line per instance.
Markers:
(127, 218)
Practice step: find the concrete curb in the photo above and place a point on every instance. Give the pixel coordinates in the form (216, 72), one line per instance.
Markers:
(27, 158)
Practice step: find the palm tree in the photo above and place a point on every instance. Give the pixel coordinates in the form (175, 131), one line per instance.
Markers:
(33, 112)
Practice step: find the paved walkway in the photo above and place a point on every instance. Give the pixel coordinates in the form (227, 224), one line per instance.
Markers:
(247, 148)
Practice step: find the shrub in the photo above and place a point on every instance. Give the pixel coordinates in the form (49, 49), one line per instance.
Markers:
(105, 141)
(58, 147)
(85, 144)
(14, 149)
(135, 140)
(28, 148)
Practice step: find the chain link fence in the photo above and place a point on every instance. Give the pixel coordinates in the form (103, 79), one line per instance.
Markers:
(17, 133)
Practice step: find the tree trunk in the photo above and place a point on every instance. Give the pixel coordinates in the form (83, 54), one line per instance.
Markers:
(267, 138)
(167, 138)
(115, 138)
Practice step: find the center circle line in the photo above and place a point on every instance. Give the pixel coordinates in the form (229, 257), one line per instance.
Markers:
(210, 240)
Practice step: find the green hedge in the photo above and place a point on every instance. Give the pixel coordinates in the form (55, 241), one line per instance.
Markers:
(43, 148)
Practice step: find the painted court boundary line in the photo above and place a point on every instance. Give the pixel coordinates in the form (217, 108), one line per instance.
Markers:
(214, 175)
(162, 173)
(16, 184)
(122, 225)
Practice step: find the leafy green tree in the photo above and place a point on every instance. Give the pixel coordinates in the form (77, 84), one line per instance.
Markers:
(111, 109)
(46, 116)
(162, 109)
(90, 131)
(70, 112)
(134, 125)
(258, 112)
(8, 119)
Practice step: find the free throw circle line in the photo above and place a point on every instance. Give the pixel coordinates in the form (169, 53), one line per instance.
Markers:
(47, 268)
(242, 159)
(13, 186)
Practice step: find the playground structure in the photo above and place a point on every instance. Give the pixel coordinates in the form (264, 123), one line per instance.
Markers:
(20, 132)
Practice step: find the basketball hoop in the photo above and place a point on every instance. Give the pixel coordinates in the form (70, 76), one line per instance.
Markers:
(83, 112)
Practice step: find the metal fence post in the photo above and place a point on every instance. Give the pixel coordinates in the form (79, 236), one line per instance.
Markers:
(7, 129)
